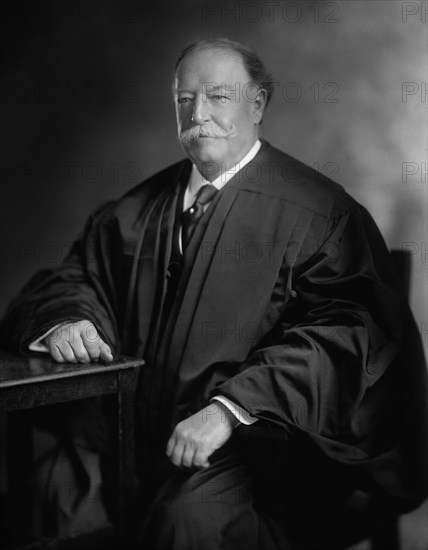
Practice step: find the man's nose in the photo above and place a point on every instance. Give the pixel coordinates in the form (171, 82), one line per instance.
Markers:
(201, 112)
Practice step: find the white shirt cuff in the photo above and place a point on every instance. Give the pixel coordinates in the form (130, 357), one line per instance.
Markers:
(241, 414)
(37, 345)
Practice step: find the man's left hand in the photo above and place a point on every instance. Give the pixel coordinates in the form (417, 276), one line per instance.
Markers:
(196, 438)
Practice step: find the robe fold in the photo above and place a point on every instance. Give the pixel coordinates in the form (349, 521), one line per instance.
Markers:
(287, 303)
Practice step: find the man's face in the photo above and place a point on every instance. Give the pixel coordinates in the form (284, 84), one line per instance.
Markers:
(214, 97)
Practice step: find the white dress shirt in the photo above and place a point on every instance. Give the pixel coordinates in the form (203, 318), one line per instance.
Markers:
(197, 180)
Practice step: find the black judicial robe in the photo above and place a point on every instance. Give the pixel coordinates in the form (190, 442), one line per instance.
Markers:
(287, 304)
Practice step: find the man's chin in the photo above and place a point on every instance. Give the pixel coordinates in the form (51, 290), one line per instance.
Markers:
(205, 149)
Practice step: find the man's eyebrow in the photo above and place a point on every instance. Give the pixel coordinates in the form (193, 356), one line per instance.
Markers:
(224, 87)
(213, 88)
(208, 88)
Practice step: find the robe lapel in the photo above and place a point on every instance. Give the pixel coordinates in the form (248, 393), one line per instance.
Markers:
(151, 256)
(230, 273)
(197, 265)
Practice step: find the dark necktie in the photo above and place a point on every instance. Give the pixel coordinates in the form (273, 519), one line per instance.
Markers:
(192, 215)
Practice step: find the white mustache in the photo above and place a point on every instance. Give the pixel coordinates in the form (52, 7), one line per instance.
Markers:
(208, 129)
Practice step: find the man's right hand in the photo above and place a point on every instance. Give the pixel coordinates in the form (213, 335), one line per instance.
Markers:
(77, 342)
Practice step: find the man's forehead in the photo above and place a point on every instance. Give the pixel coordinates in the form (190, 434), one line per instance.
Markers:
(216, 67)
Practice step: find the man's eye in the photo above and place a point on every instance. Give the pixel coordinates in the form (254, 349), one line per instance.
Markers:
(218, 97)
(183, 100)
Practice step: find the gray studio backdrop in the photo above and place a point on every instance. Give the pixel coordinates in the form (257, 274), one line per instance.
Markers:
(87, 111)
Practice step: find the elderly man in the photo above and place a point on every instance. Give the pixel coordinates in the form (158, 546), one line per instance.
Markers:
(283, 371)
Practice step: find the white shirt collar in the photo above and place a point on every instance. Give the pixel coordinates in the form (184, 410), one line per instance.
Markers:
(197, 180)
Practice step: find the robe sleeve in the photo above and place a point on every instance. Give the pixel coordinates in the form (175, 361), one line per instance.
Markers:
(79, 288)
(336, 370)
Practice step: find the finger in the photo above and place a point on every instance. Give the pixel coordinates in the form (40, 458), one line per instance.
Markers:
(79, 350)
(93, 349)
(55, 353)
(105, 353)
(66, 352)
(94, 344)
(187, 457)
(170, 446)
(200, 459)
(56, 336)
(91, 340)
(177, 454)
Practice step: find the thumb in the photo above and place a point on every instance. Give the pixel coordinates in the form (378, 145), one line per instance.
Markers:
(105, 352)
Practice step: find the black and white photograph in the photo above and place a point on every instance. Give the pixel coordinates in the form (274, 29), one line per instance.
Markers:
(214, 275)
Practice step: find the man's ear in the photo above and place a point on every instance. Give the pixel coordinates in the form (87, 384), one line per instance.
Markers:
(259, 106)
